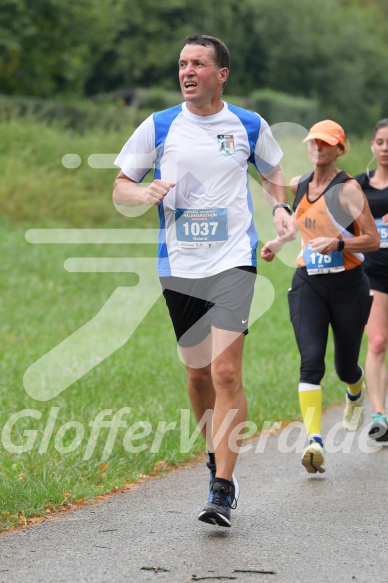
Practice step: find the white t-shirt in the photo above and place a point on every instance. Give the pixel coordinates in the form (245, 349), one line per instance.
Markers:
(206, 220)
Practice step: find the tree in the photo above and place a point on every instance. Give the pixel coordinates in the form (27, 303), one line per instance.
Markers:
(328, 50)
(49, 47)
(331, 52)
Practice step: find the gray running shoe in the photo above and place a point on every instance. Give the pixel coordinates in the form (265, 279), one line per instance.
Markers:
(212, 469)
(221, 501)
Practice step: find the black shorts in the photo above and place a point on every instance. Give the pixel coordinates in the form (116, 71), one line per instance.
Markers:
(223, 301)
(378, 283)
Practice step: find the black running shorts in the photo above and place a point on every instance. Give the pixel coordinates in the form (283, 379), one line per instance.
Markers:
(378, 283)
(223, 301)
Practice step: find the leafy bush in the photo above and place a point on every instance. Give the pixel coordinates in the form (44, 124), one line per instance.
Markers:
(79, 116)
(277, 107)
(157, 98)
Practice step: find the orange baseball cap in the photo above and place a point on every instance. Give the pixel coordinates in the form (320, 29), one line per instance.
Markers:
(327, 130)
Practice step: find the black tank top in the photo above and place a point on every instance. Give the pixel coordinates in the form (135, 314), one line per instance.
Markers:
(376, 262)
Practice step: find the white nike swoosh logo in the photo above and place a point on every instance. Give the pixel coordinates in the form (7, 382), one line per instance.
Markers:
(244, 321)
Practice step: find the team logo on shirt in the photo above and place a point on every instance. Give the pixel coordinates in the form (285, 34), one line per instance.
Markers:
(226, 144)
(310, 223)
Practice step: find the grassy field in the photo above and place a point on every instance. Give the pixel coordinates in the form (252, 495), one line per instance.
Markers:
(53, 451)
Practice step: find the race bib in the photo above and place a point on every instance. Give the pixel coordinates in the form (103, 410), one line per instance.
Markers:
(201, 227)
(383, 232)
(316, 263)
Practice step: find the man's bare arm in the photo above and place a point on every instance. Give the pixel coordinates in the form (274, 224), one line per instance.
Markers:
(129, 193)
(274, 186)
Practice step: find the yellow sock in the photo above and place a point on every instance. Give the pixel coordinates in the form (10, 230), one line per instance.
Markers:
(355, 389)
(310, 400)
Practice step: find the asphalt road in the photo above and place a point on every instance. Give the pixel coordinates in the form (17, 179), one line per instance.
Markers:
(289, 526)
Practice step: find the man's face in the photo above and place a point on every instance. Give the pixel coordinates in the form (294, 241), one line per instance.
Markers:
(200, 79)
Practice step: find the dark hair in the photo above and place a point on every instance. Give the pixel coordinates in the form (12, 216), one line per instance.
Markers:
(383, 123)
(221, 51)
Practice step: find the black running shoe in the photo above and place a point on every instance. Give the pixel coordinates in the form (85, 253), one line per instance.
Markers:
(212, 468)
(221, 501)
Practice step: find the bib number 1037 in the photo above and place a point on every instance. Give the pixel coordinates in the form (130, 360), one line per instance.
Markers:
(201, 227)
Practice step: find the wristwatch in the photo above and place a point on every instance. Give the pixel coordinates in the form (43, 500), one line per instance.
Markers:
(283, 206)
(340, 244)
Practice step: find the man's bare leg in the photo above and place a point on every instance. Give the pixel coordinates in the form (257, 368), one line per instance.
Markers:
(230, 410)
(200, 385)
(229, 418)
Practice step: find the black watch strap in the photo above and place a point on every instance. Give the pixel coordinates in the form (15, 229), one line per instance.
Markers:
(283, 206)
(340, 244)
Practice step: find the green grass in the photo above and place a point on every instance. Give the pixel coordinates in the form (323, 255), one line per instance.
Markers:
(43, 304)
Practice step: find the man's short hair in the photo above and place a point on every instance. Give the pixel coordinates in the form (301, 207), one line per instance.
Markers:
(222, 57)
